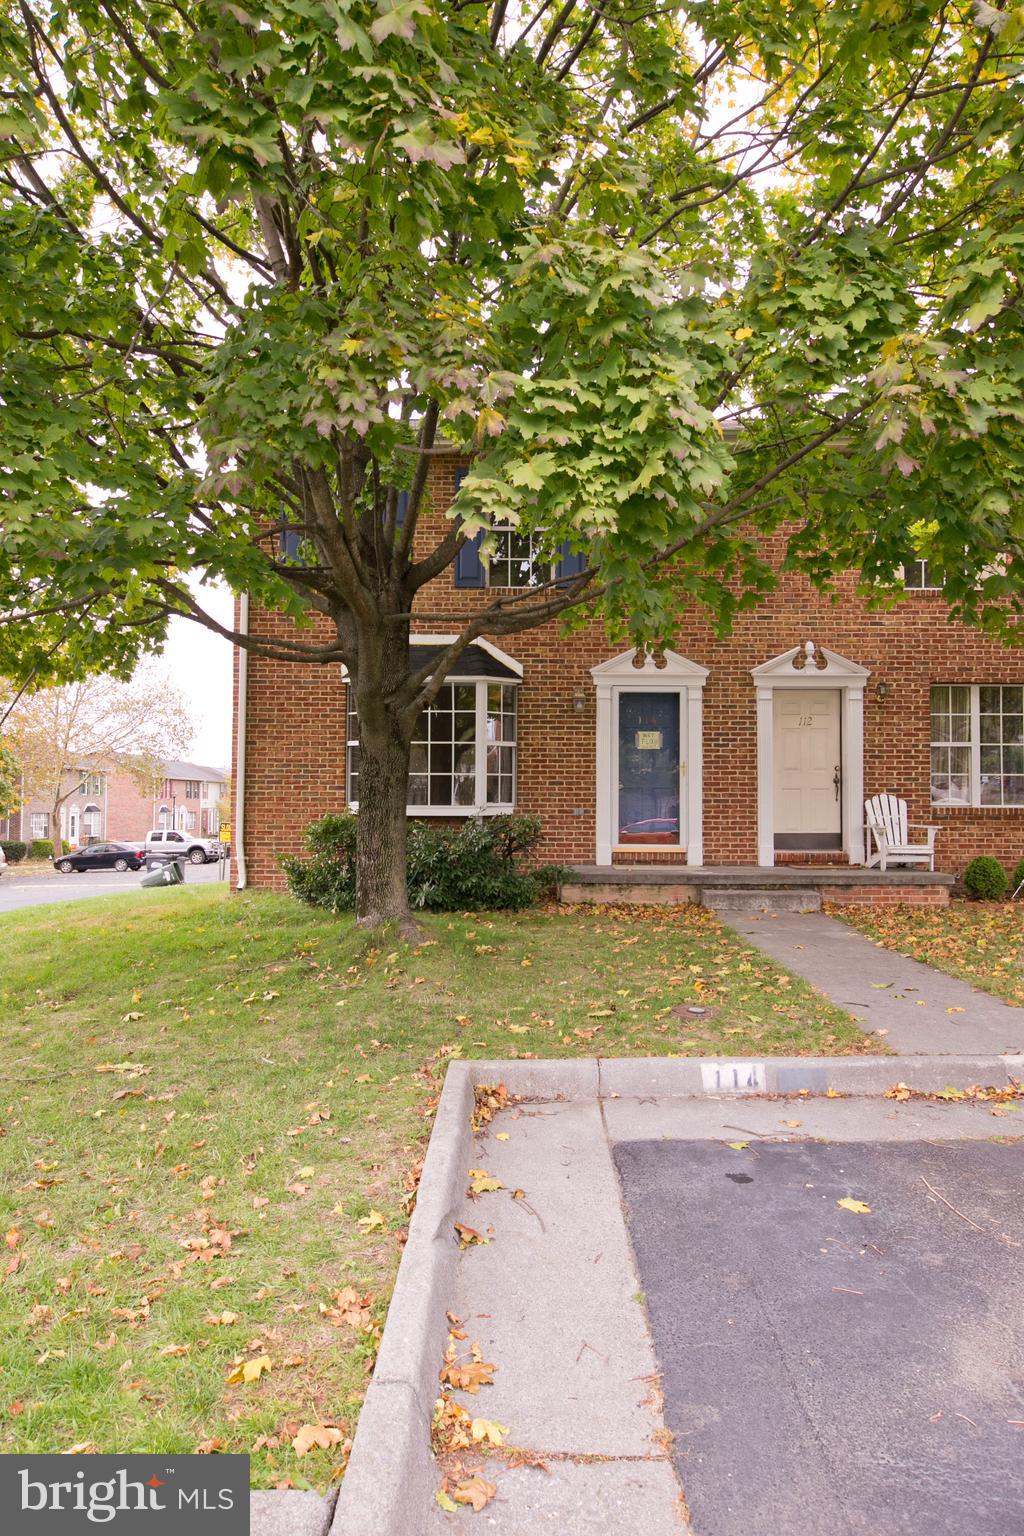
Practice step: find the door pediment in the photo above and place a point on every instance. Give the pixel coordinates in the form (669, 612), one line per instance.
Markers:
(675, 671)
(784, 671)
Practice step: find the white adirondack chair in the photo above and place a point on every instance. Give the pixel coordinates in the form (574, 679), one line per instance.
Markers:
(887, 825)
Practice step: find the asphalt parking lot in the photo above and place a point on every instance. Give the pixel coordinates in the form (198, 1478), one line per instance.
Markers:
(831, 1371)
(18, 891)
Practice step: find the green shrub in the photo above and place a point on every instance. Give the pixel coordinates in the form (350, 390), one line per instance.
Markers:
(14, 852)
(986, 879)
(42, 848)
(1017, 876)
(472, 868)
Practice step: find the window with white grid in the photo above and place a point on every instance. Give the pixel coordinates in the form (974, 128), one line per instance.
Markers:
(978, 744)
(463, 756)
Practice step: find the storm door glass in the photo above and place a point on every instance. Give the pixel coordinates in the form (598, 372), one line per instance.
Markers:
(648, 768)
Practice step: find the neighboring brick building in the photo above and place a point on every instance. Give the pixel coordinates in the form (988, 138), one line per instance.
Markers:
(114, 805)
(736, 751)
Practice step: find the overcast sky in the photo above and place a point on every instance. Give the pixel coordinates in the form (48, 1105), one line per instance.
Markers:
(199, 664)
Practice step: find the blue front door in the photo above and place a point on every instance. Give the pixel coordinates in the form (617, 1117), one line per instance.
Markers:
(649, 769)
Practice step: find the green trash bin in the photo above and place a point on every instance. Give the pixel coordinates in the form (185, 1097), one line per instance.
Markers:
(166, 874)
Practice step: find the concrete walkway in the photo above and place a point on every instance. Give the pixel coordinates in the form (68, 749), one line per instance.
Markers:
(910, 1007)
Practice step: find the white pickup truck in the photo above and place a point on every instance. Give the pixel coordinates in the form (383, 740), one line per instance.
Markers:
(168, 844)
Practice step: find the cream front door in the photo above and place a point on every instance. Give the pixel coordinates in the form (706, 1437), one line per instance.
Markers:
(808, 782)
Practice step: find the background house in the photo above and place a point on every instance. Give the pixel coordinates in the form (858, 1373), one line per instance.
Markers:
(113, 804)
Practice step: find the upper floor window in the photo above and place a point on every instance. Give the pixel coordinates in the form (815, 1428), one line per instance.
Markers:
(920, 576)
(519, 558)
(90, 783)
(977, 744)
(191, 789)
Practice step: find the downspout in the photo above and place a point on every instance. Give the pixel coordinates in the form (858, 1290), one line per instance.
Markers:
(240, 732)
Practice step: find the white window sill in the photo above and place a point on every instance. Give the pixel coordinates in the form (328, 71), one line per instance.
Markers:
(449, 810)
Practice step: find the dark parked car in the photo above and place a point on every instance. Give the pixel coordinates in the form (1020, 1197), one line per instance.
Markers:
(118, 856)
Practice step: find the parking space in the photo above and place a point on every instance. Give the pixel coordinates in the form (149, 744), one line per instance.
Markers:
(832, 1368)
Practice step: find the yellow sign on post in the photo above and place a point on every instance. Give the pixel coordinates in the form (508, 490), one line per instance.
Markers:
(225, 832)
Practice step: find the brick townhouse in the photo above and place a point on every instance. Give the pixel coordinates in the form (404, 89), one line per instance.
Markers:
(111, 804)
(756, 750)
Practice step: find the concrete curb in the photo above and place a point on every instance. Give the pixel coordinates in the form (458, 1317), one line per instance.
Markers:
(391, 1469)
(392, 1476)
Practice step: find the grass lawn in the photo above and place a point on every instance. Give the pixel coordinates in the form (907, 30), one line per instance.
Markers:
(982, 941)
(212, 1113)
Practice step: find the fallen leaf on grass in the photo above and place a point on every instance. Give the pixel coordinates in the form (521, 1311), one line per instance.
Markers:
(221, 1319)
(857, 1206)
(374, 1222)
(13, 1237)
(132, 1068)
(81, 1448)
(176, 1349)
(247, 1371)
(209, 1447)
(317, 1437)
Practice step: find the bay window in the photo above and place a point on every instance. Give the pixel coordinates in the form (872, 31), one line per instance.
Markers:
(463, 756)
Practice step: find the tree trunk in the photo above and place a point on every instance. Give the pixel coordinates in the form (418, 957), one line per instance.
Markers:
(382, 896)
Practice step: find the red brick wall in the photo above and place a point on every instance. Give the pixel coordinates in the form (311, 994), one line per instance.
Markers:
(129, 808)
(296, 717)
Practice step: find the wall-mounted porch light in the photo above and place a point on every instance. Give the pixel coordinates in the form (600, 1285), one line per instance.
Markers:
(882, 690)
(579, 701)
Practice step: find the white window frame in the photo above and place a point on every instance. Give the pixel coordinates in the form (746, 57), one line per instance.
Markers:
(973, 745)
(481, 805)
(40, 824)
(540, 562)
(919, 566)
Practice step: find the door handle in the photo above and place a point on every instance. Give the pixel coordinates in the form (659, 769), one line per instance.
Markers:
(837, 780)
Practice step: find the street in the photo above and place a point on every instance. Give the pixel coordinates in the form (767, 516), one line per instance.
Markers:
(20, 891)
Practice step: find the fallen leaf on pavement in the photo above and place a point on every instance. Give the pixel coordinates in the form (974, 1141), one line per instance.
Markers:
(476, 1491)
(468, 1235)
(856, 1206)
(486, 1431)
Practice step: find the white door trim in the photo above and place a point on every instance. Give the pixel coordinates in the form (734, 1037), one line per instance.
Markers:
(674, 674)
(838, 672)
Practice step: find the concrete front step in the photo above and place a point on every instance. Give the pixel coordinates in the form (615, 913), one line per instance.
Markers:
(785, 899)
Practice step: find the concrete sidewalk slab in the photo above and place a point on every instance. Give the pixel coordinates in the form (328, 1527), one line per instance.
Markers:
(552, 1298)
(755, 1120)
(290, 1512)
(610, 1498)
(886, 991)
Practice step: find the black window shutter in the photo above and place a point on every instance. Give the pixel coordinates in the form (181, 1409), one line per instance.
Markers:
(569, 563)
(469, 568)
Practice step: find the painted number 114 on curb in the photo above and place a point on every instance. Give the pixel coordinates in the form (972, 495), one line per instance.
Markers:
(733, 1076)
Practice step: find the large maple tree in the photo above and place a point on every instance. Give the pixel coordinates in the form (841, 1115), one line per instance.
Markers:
(257, 259)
